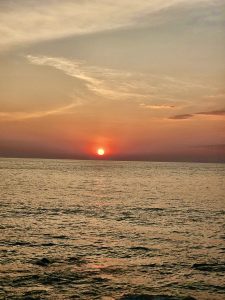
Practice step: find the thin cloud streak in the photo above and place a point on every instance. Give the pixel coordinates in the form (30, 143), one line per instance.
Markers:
(181, 117)
(20, 116)
(220, 147)
(206, 113)
(160, 106)
(213, 113)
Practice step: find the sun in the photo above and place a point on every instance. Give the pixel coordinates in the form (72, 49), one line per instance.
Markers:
(100, 151)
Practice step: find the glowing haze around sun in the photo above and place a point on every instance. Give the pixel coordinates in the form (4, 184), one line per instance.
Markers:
(100, 151)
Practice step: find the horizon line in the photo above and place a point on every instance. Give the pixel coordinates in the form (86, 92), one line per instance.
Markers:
(114, 159)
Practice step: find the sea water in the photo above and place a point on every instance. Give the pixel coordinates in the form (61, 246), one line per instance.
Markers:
(105, 229)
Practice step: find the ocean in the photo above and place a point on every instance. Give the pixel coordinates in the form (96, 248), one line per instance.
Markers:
(111, 230)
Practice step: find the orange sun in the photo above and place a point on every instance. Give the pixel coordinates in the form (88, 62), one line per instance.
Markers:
(100, 151)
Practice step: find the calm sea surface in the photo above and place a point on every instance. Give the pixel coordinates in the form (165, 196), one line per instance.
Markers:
(106, 229)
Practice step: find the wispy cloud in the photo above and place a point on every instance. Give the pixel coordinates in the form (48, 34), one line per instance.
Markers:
(153, 92)
(116, 84)
(28, 21)
(19, 116)
(155, 106)
(220, 147)
(181, 117)
(98, 80)
(220, 112)
(207, 113)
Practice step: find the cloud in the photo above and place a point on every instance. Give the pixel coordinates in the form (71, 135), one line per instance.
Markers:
(182, 117)
(157, 106)
(216, 96)
(155, 92)
(19, 116)
(28, 21)
(122, 85)
(98, 80)
(207, 113)
(212, 113)
(219, 147)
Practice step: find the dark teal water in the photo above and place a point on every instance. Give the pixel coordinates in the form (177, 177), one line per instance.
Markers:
(103, 229)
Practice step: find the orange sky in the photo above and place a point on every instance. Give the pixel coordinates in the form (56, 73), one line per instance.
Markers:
(143, 79)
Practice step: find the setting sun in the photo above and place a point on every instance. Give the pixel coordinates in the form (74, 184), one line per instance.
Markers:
(100, 151)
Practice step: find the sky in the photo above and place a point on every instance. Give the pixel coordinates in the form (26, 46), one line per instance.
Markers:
(142, 79)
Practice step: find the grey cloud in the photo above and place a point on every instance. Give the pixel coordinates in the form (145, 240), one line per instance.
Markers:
(52, 19)
(181, 117)
(207, 113)
(212, 113)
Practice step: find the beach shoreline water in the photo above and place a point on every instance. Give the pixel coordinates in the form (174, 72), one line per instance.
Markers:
(111, 230)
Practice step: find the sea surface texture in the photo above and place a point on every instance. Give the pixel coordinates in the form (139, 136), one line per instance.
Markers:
(111, 230)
